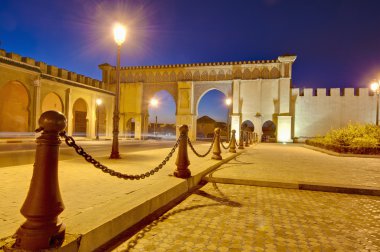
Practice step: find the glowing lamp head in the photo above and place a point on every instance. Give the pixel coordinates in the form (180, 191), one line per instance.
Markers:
(228, 101)
(375, 86)
(99, 102)
(119, 33)
(154, 102)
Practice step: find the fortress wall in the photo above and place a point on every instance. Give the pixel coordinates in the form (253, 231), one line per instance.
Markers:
(317, 111)
(26, 62)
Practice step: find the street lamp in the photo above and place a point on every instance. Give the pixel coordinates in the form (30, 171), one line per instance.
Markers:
(119, 32)
(375, 87)
(228, 103)
(154, 103)
(98, 103)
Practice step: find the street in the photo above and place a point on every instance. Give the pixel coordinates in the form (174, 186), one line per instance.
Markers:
(12, 154)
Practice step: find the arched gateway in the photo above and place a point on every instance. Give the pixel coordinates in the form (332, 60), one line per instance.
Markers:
(260, 91)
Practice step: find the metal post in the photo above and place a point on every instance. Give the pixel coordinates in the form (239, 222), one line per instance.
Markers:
(183, 161)
(377, 107)
(97, 122)
(155, 127)
(241, 140)
(251, 138)
(246, 138)
(216, 148)
(43, 229)
(233, 142)
(228, 124)
(115, 139)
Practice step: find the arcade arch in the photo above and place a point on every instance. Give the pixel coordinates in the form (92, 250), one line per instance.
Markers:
(52, 102)
(269, 131)
(14, 107)
(162, 115)
(130, 128)
(212, 112)
(80, 118)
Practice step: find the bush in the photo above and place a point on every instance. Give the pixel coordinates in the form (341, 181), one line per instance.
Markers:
(354, 138)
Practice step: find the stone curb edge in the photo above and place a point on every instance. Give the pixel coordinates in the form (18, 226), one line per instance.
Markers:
(371, 191)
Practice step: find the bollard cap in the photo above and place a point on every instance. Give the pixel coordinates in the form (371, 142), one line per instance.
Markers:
(233, 131)
(184, 129)
(217, 130)
(52, 121)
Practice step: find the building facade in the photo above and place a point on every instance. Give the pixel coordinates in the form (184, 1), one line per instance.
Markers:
(261, 94)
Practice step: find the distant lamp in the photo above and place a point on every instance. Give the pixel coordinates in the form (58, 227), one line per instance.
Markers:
(154, 102)
(375, 87)
(228, 103)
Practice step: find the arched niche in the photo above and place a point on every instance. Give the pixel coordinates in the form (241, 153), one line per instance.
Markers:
(269, 131)
(14, 104)
(52, 102)
(80, 118)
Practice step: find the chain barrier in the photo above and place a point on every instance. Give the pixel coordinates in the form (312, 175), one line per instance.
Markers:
(195, 152)
(71, 143)
(225, 147)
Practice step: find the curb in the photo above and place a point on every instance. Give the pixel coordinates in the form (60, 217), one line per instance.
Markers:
(361, 190)
(332, 153)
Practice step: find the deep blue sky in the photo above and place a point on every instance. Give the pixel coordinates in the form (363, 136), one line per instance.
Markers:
(337, 42)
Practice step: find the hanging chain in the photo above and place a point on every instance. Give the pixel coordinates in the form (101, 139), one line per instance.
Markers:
(195, 152)
(71, 143)
(225, 147)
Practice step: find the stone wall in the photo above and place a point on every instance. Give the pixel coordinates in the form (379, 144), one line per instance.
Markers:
(316, 111)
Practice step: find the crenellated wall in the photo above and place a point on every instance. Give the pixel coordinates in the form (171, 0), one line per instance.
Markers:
(316, 111)
(29, 87)
(49, 70)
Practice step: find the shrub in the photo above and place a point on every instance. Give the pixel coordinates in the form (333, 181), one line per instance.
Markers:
(354, 138)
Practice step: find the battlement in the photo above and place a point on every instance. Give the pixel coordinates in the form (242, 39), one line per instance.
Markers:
(333, 92)
(52, 71)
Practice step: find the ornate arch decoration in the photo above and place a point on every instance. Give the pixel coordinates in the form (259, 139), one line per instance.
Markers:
(130, 77)
(158, 77)
(201, 89)
(143, 77)
(256, 73)
(237, 74)
(188, 76)
(123, 77)
(196, 76)
(150, 77)
(204, 76)
(221, 75)
(165, 76)
(265, 73)
(173, 76)
(229, 75)
(274, 73)
(246, 74)
(180, 76)
(212, 76)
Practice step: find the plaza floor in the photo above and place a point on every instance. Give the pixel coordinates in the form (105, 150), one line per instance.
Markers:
(223, 217)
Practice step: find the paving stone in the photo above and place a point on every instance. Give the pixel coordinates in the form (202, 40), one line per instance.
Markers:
(266, 219)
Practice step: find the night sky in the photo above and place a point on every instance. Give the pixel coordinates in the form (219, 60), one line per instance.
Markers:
(337, 42)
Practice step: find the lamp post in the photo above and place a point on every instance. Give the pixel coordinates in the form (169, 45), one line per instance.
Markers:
(154, 103)
(228, 103)
(375, 87)
(119, 32)
(98, 103)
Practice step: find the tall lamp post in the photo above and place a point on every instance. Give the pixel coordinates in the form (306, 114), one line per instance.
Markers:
(119, 32)
(98, 103)
(228, 103)
(154, 103)
(375, 87)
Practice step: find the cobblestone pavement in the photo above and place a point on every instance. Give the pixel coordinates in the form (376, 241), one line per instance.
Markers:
(222, 217)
